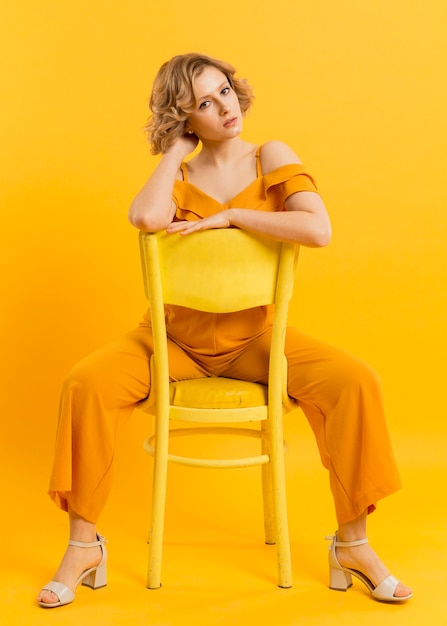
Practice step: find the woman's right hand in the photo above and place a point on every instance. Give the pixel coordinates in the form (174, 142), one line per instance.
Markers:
(184, 145)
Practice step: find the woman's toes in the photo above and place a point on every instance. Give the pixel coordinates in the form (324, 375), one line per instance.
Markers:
(47, 597)
(402, 591)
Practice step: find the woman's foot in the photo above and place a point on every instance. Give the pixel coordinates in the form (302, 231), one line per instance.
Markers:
(75, 561)
(363, 559)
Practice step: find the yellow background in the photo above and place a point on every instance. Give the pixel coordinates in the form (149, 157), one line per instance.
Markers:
(356, 88)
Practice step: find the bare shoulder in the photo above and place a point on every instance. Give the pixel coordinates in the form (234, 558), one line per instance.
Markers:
(275, 154)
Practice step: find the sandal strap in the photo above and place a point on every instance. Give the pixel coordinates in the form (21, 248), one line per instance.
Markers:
(93, 544)
(350, 544)
(385, 590)
(63, 593)
(346, 544)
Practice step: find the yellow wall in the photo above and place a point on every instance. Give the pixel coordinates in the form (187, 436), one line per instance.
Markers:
(357, 88)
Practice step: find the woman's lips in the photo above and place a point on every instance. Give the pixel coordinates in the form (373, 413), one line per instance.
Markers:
(230, 122)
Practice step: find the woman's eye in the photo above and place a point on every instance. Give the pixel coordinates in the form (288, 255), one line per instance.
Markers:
(225, 90)
(204, 104)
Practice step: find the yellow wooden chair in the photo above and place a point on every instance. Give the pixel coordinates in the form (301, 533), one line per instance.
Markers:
(219, 271)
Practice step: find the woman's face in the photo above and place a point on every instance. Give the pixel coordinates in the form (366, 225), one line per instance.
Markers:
(217, 114)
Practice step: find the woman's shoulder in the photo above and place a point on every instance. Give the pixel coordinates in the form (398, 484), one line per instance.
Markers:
(275, 154)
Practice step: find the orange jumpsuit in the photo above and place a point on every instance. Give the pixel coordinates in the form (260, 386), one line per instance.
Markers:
(340, 395)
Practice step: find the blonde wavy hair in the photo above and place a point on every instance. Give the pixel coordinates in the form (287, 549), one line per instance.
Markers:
(172, 98)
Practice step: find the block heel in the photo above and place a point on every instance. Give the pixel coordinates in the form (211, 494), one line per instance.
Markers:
(339, 580)
(97, 578)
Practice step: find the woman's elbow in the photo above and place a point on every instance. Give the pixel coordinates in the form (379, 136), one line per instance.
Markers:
(320, 237)
(147, 221)
(147, 224)
(324, 237)
(139, 221)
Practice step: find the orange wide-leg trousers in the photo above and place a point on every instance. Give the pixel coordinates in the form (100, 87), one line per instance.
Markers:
(340, 396)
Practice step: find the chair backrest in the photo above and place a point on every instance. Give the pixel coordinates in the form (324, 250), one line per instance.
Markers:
(219, 270)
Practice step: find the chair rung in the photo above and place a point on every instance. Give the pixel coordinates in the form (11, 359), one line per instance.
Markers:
(250, 461)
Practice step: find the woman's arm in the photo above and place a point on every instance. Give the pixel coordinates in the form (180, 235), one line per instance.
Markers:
(305, 219)
(152, 208)
(306, 223)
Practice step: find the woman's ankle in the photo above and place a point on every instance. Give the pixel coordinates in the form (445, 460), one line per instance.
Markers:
(81, 529)
(354, 529)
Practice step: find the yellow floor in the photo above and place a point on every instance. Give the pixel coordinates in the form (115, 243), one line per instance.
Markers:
(216, 568)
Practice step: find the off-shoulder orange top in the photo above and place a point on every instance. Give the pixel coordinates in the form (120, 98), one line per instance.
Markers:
(211, 334)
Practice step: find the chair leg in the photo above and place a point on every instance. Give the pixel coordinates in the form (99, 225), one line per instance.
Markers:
(280, 508)
(157, 517)
(283, 543)
(267, 489)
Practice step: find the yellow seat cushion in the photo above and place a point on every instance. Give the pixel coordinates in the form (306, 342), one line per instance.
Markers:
(218, 393)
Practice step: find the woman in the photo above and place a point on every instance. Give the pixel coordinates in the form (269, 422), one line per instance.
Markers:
(264, 189)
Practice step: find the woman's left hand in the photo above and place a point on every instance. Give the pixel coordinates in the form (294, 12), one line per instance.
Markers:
(219, 220)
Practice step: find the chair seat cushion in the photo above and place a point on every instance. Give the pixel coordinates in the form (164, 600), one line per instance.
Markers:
(218, 393)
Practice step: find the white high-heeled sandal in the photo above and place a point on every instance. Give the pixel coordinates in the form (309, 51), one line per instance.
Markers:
(340, 578)
(94, 577)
